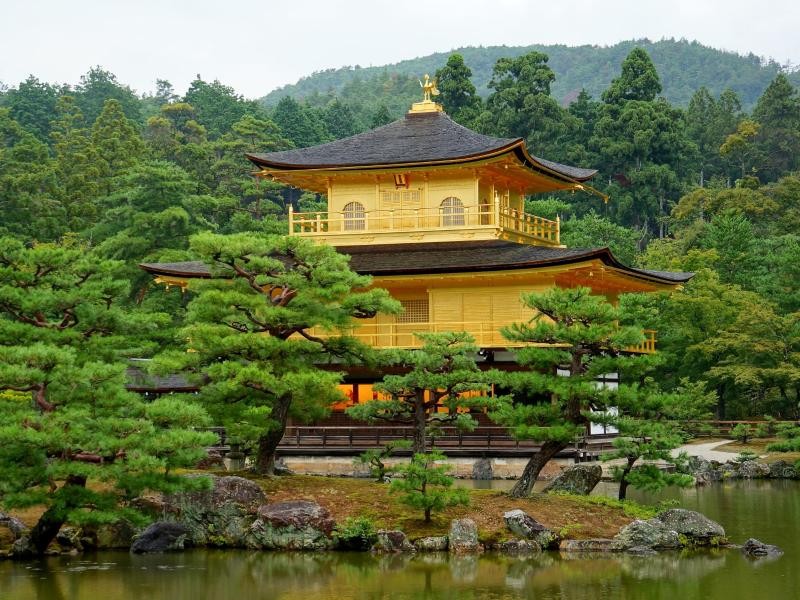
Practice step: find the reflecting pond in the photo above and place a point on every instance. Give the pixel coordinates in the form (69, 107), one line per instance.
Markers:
(766, 510)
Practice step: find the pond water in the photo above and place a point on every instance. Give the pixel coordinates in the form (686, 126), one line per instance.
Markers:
(766, 510)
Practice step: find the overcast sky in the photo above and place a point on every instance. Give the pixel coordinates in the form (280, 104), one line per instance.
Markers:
(256, 46)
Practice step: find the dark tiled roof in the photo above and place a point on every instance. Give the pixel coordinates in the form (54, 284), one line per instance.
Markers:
(421, 138)
(141, 381)
(451, 257)
(191, 268)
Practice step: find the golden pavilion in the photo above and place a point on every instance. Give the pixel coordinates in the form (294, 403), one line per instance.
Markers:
(435, 213)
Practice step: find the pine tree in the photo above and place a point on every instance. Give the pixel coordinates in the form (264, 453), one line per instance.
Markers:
(263, 323)
(639, 80)
(425, 485)
(117, 142)
(458, 94)
(650, 425)
(442, 383)
(573, 339)
(77, 164)
(381, 117)
(72, 438)
(778, 114)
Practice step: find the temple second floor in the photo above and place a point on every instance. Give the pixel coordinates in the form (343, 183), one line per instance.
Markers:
(477, 287)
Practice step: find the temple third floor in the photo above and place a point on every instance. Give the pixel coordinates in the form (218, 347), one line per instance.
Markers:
(408, 208)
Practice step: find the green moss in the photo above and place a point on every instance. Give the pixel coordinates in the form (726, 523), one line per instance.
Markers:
(629, 507)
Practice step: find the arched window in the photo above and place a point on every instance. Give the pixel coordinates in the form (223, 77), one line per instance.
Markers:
(355, 218)
(452, 212)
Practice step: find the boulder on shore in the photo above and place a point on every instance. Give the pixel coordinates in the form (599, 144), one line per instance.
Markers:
(436, 543)
(220, 516)
(577, 479)
(780, 469)
(699, 529)
(292, 525)
(651, 534)
(391, 541)
(528, 528)
(162, 536)
(463, 536)
(674, 528)
(757, 549)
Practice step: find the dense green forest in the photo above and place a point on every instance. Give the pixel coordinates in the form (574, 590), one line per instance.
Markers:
(711, 187)
(683, 66)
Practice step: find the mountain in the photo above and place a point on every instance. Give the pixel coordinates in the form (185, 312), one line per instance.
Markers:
(683, 66)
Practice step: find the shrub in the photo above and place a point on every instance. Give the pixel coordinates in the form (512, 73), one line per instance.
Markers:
(742, 433)
(426, 485)
(356, 533)
(374, 458)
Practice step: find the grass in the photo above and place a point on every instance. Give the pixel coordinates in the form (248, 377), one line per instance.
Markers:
(575, 517)
(759, 446)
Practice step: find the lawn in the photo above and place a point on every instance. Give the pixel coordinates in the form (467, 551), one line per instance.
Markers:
(575, 517)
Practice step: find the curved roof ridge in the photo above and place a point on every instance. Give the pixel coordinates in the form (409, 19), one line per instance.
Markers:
(414, 139)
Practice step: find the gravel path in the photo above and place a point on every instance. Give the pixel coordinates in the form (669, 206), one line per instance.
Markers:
(706, 451)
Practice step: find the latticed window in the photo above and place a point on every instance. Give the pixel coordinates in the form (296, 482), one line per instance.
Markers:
(354, 216)
(414, 311)
(452, 212)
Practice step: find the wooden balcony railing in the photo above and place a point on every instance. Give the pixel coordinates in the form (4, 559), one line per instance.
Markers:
(425, 219)
(486, 333)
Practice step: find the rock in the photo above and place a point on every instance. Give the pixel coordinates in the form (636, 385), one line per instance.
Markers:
(758, 549)
(212, 460)
(482, 470)
(432, 544)
(11, 531)
(648, 534)
(781, 469)
(162, 536)
(281, 468)
(118, 534)
(577, 479)
(526, 527)
(13, 525)
(752, 469)
(220, 516)
(292, 525)
(519, 547)
(225, 492)
(69, 538)
(699, 529)
(704, 471)
(591, 545)
(463, 536)
(391, 541)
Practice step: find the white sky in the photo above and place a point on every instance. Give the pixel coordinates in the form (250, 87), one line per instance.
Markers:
(256, 46)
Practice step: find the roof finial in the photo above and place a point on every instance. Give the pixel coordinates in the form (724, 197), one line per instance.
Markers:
(429, 89)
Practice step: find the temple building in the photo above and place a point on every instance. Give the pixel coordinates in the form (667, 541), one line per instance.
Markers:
(435, 213)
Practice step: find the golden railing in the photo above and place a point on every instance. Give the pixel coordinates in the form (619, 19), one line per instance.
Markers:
(486, 333)
(416, 219)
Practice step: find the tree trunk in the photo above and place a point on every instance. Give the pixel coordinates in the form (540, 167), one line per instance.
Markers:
(623, 482)
(420, 424)
(524, 485)
(50, 522)
(268, 443)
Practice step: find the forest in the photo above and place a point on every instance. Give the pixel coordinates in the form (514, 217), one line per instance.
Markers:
(711, 188)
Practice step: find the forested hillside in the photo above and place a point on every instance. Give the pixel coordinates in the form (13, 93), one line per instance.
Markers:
(683, 66)
(711, 187)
